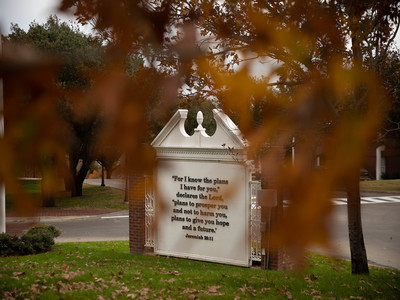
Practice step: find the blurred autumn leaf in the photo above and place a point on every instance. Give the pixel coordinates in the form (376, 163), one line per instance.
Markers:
(321, 91)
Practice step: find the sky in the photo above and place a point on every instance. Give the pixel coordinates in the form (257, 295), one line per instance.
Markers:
(24, 12)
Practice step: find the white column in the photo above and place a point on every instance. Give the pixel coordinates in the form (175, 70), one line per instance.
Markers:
(2, 188)
(378, 168)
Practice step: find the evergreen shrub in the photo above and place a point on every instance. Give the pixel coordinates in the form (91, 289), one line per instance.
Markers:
(38, 239)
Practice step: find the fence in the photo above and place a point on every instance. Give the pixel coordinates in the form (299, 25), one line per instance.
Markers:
(149, 211)
(255, 221)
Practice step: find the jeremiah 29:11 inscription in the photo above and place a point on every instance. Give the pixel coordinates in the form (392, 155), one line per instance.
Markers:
(200, 219)
(202, 211)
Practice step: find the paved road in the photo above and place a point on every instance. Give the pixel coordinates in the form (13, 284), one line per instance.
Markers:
(381, 225)
(108, 227)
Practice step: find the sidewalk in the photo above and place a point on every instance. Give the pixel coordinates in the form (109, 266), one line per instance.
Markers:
(17, 224)
(114, 182)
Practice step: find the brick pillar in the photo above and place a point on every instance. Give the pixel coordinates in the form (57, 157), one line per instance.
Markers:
(275, 252)
(272, 258)
(136, 212)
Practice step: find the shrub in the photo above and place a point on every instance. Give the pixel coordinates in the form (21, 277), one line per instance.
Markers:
(39, 242)
(38, 239)
(44, 229)
(394, 175)
(9, 244)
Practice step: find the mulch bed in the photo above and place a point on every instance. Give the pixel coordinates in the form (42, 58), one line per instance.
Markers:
(18, 228)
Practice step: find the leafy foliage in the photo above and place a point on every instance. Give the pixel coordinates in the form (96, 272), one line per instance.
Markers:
(389, 73)
(322, 89)
(78, 57)
(43, 229)
(82, 56)
(38, 239)
(195, 105)
(10, 245)
(80, 53)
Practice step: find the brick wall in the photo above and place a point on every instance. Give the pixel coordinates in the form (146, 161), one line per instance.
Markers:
(274, 255)
(275, 252)
(136, 212)
(272, 259)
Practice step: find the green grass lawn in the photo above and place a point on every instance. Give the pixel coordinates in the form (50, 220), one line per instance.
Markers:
(103, 270)
(94, 197)
(381, 185)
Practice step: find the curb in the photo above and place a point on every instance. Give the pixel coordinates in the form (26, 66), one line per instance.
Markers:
(59, 218)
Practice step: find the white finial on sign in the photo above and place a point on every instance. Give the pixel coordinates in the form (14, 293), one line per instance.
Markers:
(200, 121)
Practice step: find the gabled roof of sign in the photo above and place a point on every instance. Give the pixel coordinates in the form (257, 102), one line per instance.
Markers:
(174, 135)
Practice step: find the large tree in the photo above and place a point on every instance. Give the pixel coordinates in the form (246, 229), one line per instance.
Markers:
(314, 42)
(389, 72)
(323, 90)
(80, 55)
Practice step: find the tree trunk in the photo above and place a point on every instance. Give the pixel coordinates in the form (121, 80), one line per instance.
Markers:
(109, 170)
(77, 182)
(48, 181)
(67, 182)
(78, 168)
(47, 194)
(359, 262)
(77, 179)
(76, 187)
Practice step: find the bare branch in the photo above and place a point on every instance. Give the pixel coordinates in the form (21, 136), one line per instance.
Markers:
(286, 83)
(387, 131)
(388, 44)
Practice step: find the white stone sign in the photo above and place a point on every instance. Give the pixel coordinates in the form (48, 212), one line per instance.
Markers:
(202, 192)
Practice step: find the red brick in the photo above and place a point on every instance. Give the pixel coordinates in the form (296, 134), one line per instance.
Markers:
(136, 212)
